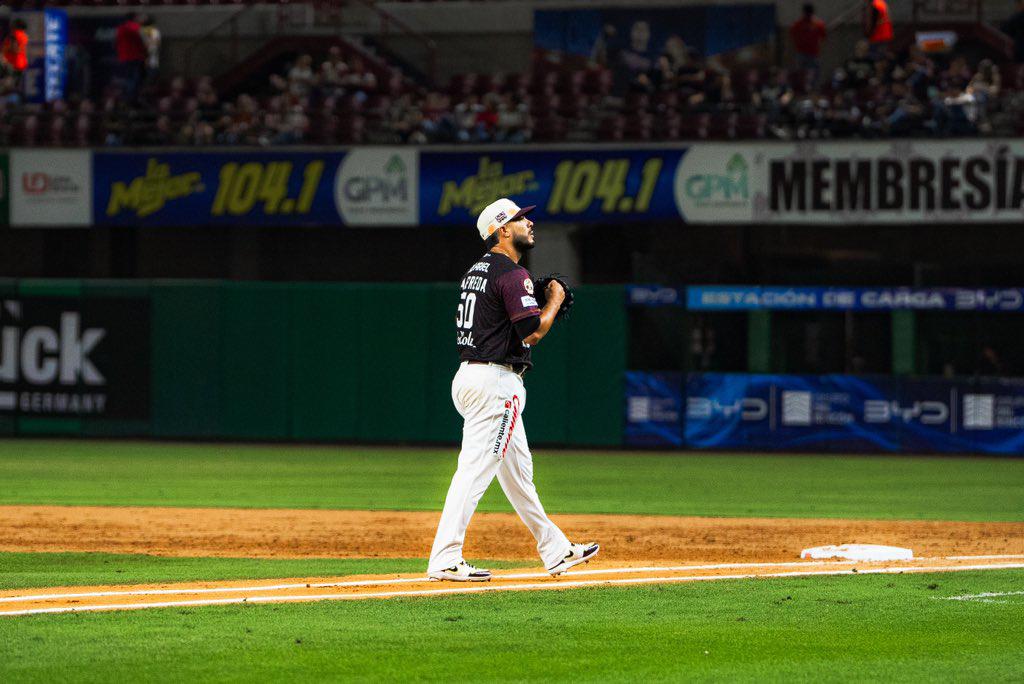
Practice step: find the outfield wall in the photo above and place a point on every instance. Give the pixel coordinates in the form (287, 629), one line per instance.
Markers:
(282, 361)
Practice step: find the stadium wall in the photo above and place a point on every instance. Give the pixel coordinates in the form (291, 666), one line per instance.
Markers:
(283, 361)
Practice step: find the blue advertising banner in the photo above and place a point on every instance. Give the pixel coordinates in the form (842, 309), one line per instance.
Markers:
(654, 408)
(747, 298)
(827, 413)
(583, 185)
(45, 75)
(653, 295)
(368, 186)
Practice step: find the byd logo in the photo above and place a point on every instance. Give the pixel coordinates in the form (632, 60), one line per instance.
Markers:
(747, 408)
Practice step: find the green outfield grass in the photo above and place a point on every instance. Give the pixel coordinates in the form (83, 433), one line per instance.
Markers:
(269, 476)
(862, 628)
(19, 570)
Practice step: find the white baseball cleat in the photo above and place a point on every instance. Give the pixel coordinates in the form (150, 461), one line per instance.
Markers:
(461, 572)
(578, 553)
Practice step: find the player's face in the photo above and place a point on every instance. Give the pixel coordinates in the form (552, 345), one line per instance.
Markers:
(522, 234)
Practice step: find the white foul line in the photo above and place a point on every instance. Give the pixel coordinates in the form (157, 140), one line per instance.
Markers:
(511, 587)
(985, 597)
(407, 580)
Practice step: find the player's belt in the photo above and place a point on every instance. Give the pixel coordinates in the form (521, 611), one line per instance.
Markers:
(517, 368)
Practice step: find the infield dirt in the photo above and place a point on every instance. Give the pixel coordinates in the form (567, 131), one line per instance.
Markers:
(276, 533)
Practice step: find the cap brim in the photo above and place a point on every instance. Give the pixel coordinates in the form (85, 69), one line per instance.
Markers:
(522, 212)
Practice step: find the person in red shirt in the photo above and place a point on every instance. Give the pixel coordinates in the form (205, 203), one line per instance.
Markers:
(15, 51)
(808, 33)
(131, 54)
(877, 25)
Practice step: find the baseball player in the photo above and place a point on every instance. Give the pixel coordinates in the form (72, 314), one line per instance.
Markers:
(497, 321)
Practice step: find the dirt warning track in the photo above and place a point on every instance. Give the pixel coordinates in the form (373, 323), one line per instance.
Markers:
(625, 539)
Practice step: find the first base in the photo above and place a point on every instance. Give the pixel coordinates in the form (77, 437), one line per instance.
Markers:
(859, 552)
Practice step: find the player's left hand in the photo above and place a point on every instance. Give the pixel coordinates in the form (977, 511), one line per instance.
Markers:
(541, 287)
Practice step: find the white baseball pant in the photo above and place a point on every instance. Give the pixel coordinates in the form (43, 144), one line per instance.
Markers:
(491, 398)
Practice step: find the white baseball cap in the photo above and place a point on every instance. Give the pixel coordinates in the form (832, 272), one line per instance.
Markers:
(498, 213)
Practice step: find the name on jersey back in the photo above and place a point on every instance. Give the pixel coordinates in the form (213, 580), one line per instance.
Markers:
(475, 283)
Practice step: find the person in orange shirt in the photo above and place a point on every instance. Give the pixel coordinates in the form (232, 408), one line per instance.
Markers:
(15, 51)
(877, 25)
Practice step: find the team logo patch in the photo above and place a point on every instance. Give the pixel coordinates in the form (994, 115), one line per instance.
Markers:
(500, 218)
(528, 301)
(528, 284)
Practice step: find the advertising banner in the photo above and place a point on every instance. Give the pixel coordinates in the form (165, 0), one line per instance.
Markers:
(50, 188)
(897, 181)
(825, 413)
(748, 298)
(45, 76)
(566, 185)
(363, 187)
(654, 409)
(66, 358)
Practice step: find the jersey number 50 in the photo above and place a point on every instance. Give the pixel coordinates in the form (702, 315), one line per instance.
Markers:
(467, 306)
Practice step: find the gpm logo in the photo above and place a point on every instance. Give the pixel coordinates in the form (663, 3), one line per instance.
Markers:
(392, 185)
(732, 186)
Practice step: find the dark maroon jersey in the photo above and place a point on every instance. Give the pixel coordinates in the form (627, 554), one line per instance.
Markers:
(496, 292)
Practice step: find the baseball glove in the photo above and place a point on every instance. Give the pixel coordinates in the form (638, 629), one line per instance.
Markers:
(540, 287)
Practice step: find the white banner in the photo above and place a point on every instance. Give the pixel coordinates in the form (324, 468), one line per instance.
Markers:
(378, 186)
(896, 181)
(51, 188)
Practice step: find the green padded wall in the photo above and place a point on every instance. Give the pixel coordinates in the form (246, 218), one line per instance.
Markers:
(324, 348)
(340, 362)
(255, 363)
(186, 354)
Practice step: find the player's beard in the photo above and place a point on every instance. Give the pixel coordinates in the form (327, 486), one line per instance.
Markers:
(522, 243)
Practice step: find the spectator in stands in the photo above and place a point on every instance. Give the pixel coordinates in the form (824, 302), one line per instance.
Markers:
(15, 53)
(9, 91)
(628, 62)
(207, 100)
(331, 71)
(465, 118)
(906, 114)
(486, 122)
(359, 81)
(877, 25)
(808, 34)
(513, 120)
(919, 72)
(858, 69)
(151, 39)
(301, 77)
(1014, 27)
(131, 55)
(663, 77)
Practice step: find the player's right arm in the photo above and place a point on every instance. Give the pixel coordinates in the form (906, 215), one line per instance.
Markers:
(555, 295)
